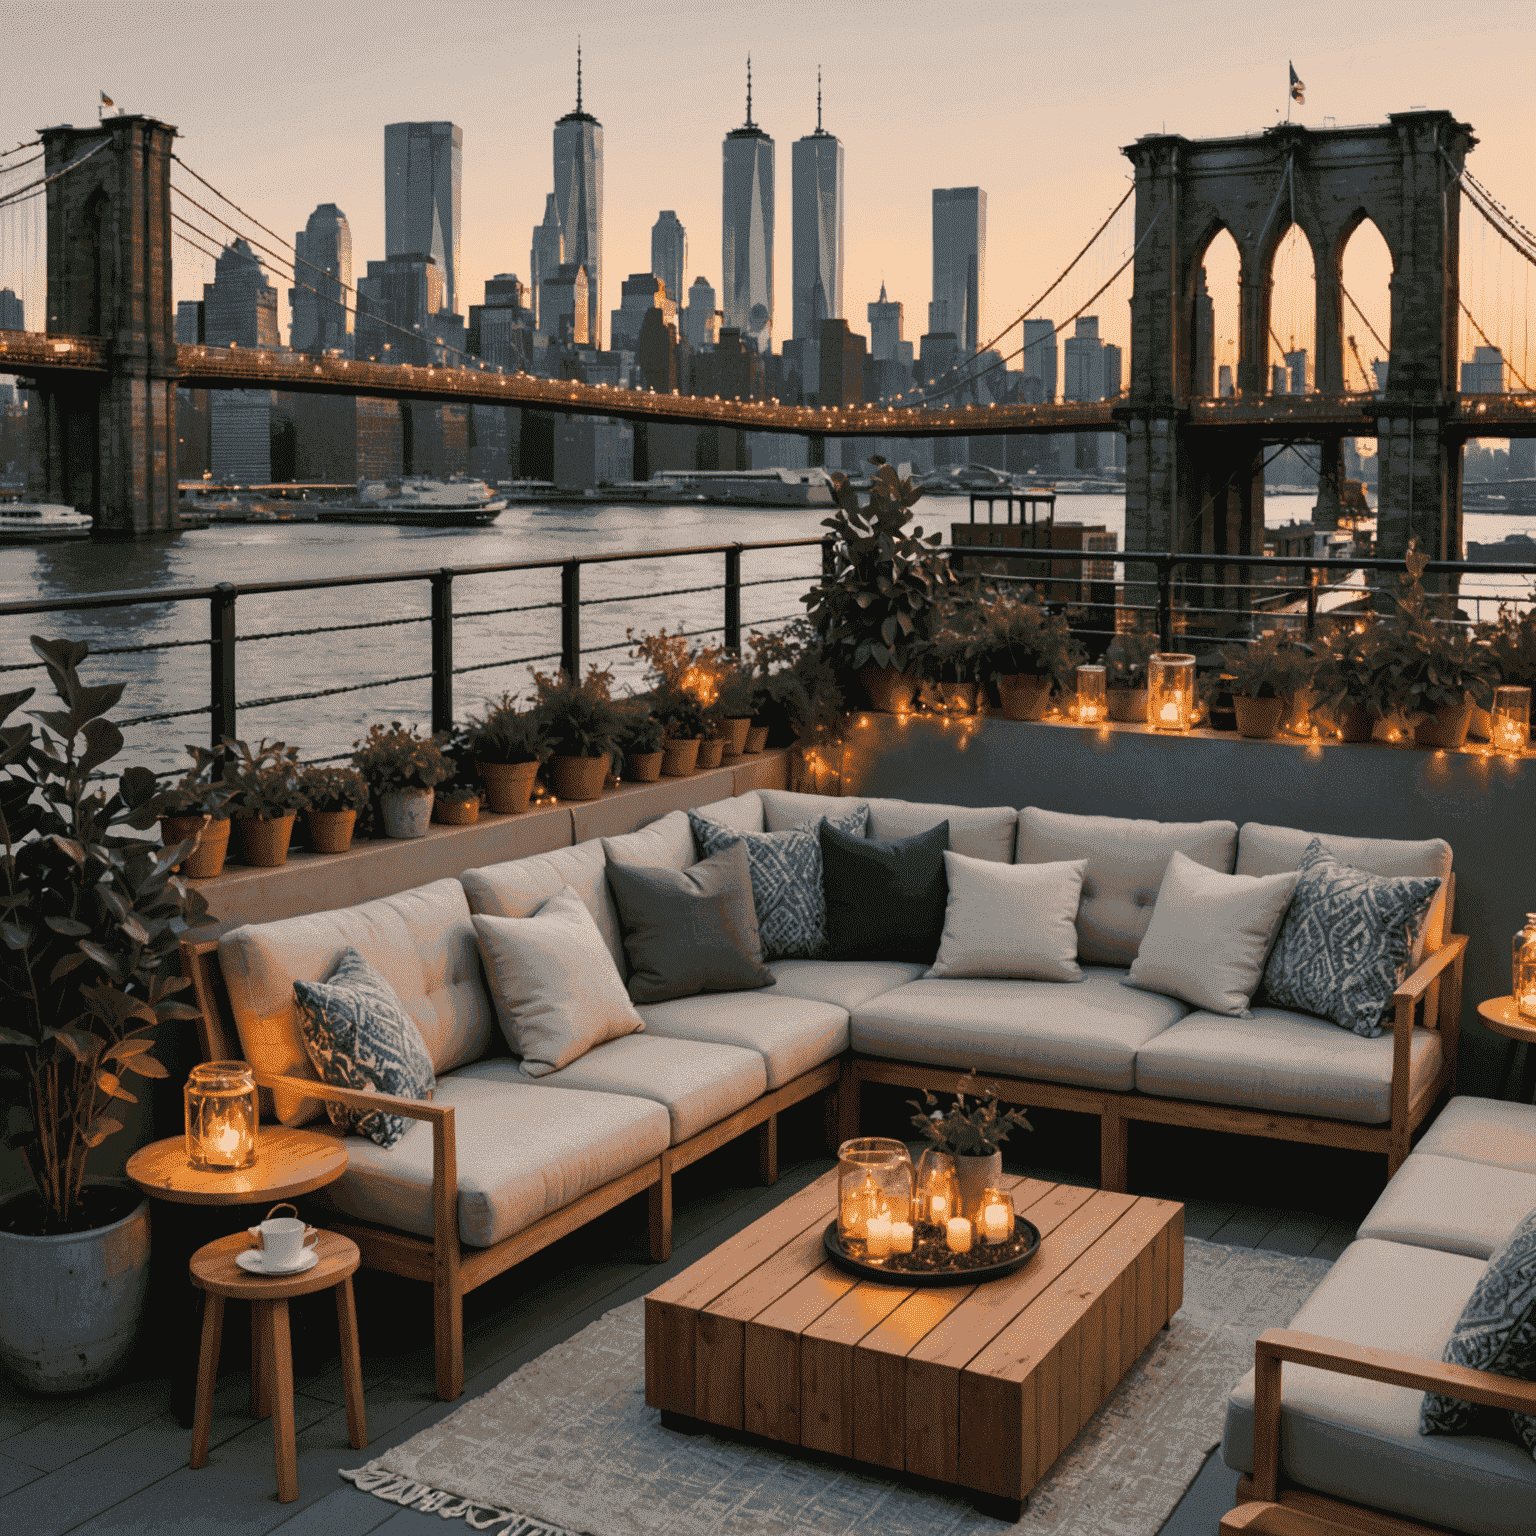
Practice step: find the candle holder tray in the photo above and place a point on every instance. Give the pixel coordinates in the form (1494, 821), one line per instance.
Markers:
(931, 1262)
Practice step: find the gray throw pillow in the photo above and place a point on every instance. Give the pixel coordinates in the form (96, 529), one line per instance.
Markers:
(1346, 941)
(689, 930)
(1496, 1332)
(786, 878)
(358, 1035)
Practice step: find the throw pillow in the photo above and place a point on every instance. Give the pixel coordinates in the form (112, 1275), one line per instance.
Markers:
(1347, 941)
(556, 988)
(1209, 935)
(1496, 1332)
(786, 878)
(885, 900)
(1010, 919)
(689, 930)
(357, 1034)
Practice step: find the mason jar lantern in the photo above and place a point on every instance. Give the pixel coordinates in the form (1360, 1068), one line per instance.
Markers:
(1524, 970)
(1092, 701)
(874, 1190)
(1170, 691)
(222, 1114)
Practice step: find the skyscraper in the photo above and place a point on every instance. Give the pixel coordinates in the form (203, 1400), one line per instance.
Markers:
(424, 198)
(1040, 355)
(885, 318)
(240, 309)
(12, 312)
(669, 254)
(746, 230)
(579, 203)
(547, 255)
(319, 301)
(959, 264)
(396, 303)
(701, 320)
(817, 232)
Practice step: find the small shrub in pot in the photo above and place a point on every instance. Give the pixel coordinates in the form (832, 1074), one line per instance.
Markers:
(1125, 662)
(402, 768)
(334, 795)
(196, 808)
(1264, 676)
(1024, 649)
(641, 741)
(268, 793)
(583, 722)
(506, 746)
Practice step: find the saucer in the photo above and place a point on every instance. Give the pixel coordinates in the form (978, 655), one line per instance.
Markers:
(254, 1260)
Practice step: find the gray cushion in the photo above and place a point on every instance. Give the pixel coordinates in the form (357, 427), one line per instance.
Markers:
(845, 983)
(1126, 860)
(791, 1034)
(1287, 1062)
(1359, 1440)
(1086, 1034)
(884, 900)
(1484, 1131)
(522, 1155)
(979, 832)
(1451, 1204)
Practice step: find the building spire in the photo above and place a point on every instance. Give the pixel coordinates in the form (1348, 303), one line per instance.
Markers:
(578, 72)
(818, 98)
(750, 123)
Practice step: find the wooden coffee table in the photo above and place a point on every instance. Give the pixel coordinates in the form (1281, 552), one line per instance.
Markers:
(977, 1385)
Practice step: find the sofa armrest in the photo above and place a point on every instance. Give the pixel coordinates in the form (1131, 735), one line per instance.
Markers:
(1437, 982)
(1413, 987)
(1278, 1345)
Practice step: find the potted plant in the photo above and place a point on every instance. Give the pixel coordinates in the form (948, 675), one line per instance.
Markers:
(797, 698)
(683, 723)
(953, 660)
(456, 802)
(1343, 681)
(333, 797)
(641, 740)
(1024, 649)
(197, 807)
(507, 745)
(733, 705)
(1511, 645)
(972, 1132)
(684, 687)
(92, 923)
(1125, 661)
(1264, 675)
(267, 796)
(874, 606)
(583, 723)
(402, 768)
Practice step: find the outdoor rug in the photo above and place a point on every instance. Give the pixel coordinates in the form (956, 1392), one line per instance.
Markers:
(568, 1445)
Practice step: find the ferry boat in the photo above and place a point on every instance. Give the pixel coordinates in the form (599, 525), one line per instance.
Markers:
(418, 501)
(34, 522)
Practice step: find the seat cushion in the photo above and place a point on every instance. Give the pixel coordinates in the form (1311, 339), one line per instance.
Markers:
(1287, 1062)
(522, 1155)
(1085, 1034)
(979, 832)
(1484, 1131)
(1451, 1204)
(791, 1034)
(421, 941)
(1359, 1440)
(1126, 859)
(843, 983)
(697, 1082)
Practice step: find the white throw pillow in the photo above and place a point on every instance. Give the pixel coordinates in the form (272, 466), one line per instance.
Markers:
(557, 991)
(1015, 920)
(1210, 935)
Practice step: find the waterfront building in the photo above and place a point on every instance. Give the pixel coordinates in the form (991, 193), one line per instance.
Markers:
(318, 301)
(565, 307)
(885, 327)
(841, 380)
(1224, 381)
(746, 230)
(546, 255)
(399, 305)
(501, 329)
(423, 197)
(701, 320)
(816, 197)
(959, 264)
(1092, 371)
(579, 203)
(1040, 356)
(1296, 371)
(193, 442)
(1484, 375)
(591, 451)
(669, 253)
(12, 311)
(641, 293)
(240, 309)
(341, 439)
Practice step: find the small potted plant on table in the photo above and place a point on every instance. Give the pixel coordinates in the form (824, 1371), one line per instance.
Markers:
(197, 807)
(456, 802)
(583, 723)
(953, 661)
(1264, 676)
(402, 768)
(268, 794)
(1024, 649)
(1126, 660)
(683, 724)
(972, 1131)
(334, 796)
(507, 745)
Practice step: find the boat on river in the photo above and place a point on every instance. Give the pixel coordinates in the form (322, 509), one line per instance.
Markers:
(417, 501)
(38, 522)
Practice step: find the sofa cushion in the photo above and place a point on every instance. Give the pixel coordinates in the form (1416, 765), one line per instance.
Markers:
(1086, 1035)
(697, 1082)
(1451, 1204)
(666, 843)
(1484, 1131)
(522, 1155)
(421, 941)
(1126, 860)
(1285, 1062)
(843, 983)
(979, 832)
(1010, 919)
(1359, 1440)
(884, 900)
(791, 1034)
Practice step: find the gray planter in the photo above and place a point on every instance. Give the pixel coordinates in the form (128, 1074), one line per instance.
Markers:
(975, 1174)
(407, 812)
(73, 1303)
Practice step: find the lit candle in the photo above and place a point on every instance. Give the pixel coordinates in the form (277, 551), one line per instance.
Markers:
(1508, 736)
(1170, 712)
(994, 1223)
(938, 1210)
(226, 1138)
(878, 1236)
(957, 1234)
(901, 1237)
(1528, 1004)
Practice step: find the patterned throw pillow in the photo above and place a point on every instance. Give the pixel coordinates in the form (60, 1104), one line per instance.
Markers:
(1496, 1332)
(1346, 941)
(359, 1035)
(786, 878)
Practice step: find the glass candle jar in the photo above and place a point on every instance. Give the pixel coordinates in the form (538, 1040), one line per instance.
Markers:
(222, 1111)
(874, 1191)
(1510, 719)
(1170, 691)
(1523, 986)
(938, 1188)
(994, 1221)
(1092, 699)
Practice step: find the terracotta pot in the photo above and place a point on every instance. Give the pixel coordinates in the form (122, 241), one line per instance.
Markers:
(711, 750)
(1480, 727)
(455, 813)
(406, 812)
(330, 831)
(207, 859)
(643, 767)
(889, 690)
(1258, 719)
(757, 739)
(1355, 723)
(1023, 696)
(1128, 705)
(577, 778)
(974, 1175)
(263, 841)
(1447, 727)
(958, 698)
(736, 729)
(678, 758)
(508, 786)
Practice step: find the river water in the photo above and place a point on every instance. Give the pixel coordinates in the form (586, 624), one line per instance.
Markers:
(638, 594)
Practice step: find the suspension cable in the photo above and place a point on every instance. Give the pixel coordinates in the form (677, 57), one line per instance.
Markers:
(44, 181)
(30, 144)
(1484, 334)
(1371, 328)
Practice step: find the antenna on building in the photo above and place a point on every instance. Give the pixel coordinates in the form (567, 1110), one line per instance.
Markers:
(578, 72)
(818, 98)
(749, 91)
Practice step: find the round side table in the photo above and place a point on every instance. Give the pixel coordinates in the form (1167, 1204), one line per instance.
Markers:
(1502, 1017)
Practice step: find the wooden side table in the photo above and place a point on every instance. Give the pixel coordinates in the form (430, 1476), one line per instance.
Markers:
(1502, 1017)
(215, 1272)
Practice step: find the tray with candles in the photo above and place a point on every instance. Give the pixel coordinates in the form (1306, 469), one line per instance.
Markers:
(932, 1253)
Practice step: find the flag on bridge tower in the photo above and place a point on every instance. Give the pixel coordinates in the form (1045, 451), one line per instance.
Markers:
(1298, 86)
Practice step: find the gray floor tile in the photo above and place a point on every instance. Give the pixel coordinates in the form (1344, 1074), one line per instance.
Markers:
(1212, 1494)
(1247, 1226)
(1295, 1233)
(13, 1474)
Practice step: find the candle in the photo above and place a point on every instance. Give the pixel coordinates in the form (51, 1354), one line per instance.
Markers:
(994, 1223)
(957, 1234)
(878, 1236)
(226, 1138)
(1170, 712)
(938, 1210)
(901, 1237)
(1508, 736)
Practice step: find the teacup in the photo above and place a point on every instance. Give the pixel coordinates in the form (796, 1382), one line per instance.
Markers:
(283, 1239)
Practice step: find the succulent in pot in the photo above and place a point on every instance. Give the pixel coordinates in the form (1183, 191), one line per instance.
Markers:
(402, 768)
(506, 746)
(196, 807)
(268, 794)
(335, 796)
(583, 721)
(1024, 649)
(1264, 676)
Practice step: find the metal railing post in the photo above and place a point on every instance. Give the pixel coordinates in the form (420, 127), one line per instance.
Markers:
(221, 669)
(1311, 630)
(570, 619)
(733, 598)
(1165, 603)
(442, 651)
(827, 563)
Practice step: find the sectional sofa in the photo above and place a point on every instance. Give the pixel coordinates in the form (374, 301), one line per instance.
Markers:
(497, 1165)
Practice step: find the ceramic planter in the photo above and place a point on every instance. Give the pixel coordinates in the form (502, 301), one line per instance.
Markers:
(508, 786)
(455, 813)
(1447, 727)
(678, 758)
(889, 691)
(1023, 696)
(263, 841)
(711, 750)
(330, 831)
(1258, 719)
(975, 1175)
(577, 778)
(736, 728)
(757, 739)
(643, 767)
(1128, 705)
(407, 812)
(207, 859)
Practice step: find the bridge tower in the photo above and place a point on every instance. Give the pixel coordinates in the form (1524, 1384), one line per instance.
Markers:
(1202, 489)
(109, 447)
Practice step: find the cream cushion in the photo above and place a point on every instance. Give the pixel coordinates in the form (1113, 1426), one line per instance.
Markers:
(520, 887)
(1451, 1204)
(1126, 860)
(665, 843)
(844, 983)
(791, 1034)
(1010, 919)
(1484, 1131)
(422, 943)
(985, 832)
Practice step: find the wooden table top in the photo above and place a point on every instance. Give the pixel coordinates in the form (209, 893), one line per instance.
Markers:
(214, 1269)
(982, 1385)
(1501, 1016)
(288, 1162)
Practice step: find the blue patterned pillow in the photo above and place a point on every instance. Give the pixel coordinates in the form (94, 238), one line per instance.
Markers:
(786, 878)
(1496, 1332)
(1346, 941)
(359, 1035)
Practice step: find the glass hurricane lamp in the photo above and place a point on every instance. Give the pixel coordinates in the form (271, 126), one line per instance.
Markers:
(1523, 970)
(938, 1187)
(222, 1114)
(1092, 701)
(1510, 719)
(874, 1185)
(1170, 691)
(994, 1218)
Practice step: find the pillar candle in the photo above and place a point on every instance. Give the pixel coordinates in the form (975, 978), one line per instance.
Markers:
(878, 1237)
(901, 1237)
(958, 1235)
(994, 1223)
(938, 1209)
